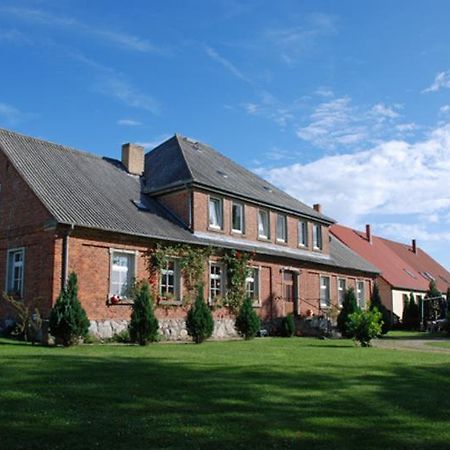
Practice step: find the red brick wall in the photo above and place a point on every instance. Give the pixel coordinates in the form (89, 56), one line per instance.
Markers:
(200, 223)
(22, 219)
(90, 259)
(179, 204)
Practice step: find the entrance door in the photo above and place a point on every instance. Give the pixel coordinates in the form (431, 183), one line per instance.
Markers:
(290, 291)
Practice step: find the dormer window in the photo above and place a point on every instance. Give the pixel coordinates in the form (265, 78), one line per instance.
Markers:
(237, 218)
(281, 228)
(263, 224)
(317, 237)
(215, 213)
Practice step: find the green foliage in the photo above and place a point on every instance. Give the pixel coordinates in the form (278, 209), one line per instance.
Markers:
(192, 262)
(123, 337)
(349, 306)
(448, 299)
(68, 320)
(375, 302)
(365, 326)
(433, 307)
(237, 271)
(143, 327)
(447, 325)
(199, 321)
(414, 313)
(247, 321)
(288, 326)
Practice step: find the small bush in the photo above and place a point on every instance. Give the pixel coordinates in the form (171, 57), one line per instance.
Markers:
(365, 326)
(143, 326)
(68, 321)
(349, 306)
(288, 326)
(199, 321)
(247, 321)
(122, 338)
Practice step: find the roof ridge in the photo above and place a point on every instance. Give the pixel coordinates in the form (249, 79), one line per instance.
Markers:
(59, 146)
(180, 147)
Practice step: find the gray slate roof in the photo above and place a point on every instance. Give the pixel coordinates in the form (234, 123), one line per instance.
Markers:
(179, 160)
(89, 191)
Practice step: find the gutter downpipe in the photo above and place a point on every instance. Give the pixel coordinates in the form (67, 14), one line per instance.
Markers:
(65, 257)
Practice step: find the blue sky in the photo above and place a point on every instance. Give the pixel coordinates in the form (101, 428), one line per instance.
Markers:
(343, 103)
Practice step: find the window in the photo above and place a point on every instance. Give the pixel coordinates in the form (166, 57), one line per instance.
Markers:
(324, 292)
(360, 294)
(169, 281)
(15, 272)
(342, 287)
(216, 281)
(281, 228)
(215, 213)
(317, 236)
(252, 285)
(263, 224)
(122, 272)
(237, 218)
(303, 233)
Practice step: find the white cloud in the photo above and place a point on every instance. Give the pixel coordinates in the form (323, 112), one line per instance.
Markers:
(10, 115)
(119, 39)
(441, 81)
(293, 42)
(444, 110)
(228, 65)
(128, 123)
(339, 123)
(392, 178)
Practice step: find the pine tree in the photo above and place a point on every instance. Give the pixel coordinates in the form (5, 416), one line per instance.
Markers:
(68, 319)
(406, 315)
(375, 302)
(200, 322)
(414, 313)
(247, 321)
(349, 306)
(143, 326)
(448, 299)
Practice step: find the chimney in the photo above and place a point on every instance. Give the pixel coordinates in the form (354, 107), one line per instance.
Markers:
(317, 207)
(133, 158)
(414, 246)
(369, 233)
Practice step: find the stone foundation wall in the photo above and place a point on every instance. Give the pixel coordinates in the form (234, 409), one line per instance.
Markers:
(170, 329)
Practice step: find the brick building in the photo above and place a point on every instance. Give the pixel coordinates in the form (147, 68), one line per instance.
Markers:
(63, 210)
(404, 268)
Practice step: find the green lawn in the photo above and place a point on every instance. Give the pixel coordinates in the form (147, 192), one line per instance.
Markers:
(266, 393)
(440, 344)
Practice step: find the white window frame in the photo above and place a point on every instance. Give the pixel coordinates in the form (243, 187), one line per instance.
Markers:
(339, 290)
(9, 254)
(177, 281)
(242, 221)
(324, 304)
(302, 233)
(112, 252)
(361, 293)
(211, 201)
(317, 237)
(283, 238)
(222, 280)
(250, 278)
(260, 224)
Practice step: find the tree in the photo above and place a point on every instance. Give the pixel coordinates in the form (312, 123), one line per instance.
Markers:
(448, 299)
(375, 302)
(200, 322)
(349, 306)
(414, 313)
(68, 320)
(433, 306)
(288, 326)
(144, 325)
(406, 314)
(365, 326)
(247, 321)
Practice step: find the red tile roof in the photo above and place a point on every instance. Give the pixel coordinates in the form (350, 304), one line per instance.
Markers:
(399, 266)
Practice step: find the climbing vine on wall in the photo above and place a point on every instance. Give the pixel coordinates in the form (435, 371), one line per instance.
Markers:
(237, 264)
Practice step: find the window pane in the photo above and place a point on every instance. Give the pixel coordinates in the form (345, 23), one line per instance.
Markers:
(14, 283)
(263, 224)
(122, 273)
(237, 220)
(302, 233)
(281, 227)
(215, 212)
(324, 291)
(317, 236)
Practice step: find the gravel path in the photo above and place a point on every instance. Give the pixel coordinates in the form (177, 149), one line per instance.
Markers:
(412, 344)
